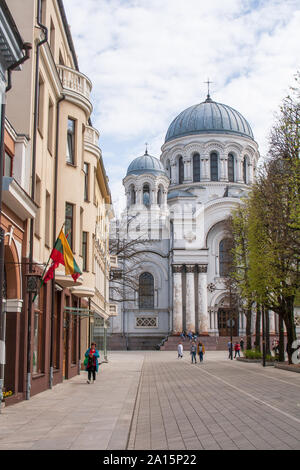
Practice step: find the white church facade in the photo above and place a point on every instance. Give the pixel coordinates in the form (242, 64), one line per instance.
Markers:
(178, 204)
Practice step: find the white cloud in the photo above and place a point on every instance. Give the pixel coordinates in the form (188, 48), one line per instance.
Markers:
(148, 61)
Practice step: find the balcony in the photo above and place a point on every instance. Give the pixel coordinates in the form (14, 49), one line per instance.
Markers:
(76, 86)
(91, 141)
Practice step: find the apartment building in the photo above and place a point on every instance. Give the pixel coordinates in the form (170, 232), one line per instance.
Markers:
(50, 105)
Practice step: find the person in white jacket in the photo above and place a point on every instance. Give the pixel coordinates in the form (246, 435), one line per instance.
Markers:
(180, 351)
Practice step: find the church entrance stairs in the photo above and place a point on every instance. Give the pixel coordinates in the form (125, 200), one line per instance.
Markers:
(119, 342)
(211, 343)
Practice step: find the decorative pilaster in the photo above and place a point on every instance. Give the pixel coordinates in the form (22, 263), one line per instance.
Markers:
(187, 170)
(239, 167)
(202, 300)
(173, 173)
(177, 299)
(190, 298)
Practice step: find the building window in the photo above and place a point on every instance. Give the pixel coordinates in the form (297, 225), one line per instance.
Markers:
(168, 169)
(37, 358)
(181, 170)
(146, 291)
(196, 167)
(84, 250)
(132, 195)
(146, 195)
(245, 170)
(38, 198)
(52, 37)
(86, 181)
(225, 256)
(48, 220)
(8, 165)
(40, 117)
(74, 338)
(69, 220)
(214, 170)
(71, 142)
(230, 163)
(50, 125)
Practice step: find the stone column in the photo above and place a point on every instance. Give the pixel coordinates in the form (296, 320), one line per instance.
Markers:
(202, 300)
(204, 169)
(187, 170)
(173, 173)
(223, 168)
(272, 322)
(177, 299)
(190, 298)
(239, 167)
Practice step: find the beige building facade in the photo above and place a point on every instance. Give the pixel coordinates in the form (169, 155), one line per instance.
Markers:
(51, 105)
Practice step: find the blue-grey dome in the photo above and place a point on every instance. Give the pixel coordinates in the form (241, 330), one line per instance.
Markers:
(146, 164)
(209, 117)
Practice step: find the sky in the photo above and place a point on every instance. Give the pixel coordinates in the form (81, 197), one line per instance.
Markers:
(149, 60)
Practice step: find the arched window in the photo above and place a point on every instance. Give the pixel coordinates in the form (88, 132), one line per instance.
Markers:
(225, 256)
(196, 167)
(159, 193)
(245, 170)
(146, 195)
(230, 164)
(146, 291)
(168, 168)
(132, 195)
(214, 170)
(181, 170)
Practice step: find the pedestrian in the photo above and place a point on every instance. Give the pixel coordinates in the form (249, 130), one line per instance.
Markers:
(229, 345)
(91, 362)
(237, 348)
(180, 351)
(193, 352)
(182, 335)
(190, 335)
(242, 344)
(201, 351)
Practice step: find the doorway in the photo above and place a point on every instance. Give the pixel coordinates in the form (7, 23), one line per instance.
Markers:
(224, 316)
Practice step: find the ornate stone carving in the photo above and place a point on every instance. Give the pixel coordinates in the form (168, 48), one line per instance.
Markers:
(177, 268)
(190, 268)
(190, 237)
(211, 287)
(202, 268)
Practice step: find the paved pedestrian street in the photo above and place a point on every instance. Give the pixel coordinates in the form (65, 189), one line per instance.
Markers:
(151, 400)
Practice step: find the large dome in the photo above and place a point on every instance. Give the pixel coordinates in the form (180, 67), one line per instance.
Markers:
(209, 117)
(145, 164)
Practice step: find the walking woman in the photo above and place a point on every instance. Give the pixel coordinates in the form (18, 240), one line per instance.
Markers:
(91, 362)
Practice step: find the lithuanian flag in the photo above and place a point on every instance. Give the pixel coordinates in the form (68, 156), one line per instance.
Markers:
(62, 254)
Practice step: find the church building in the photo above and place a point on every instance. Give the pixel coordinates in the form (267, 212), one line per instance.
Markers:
(178, 205)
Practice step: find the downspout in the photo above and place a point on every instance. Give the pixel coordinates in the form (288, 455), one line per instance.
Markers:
(36, 104)
(54, 238)
(26, 47)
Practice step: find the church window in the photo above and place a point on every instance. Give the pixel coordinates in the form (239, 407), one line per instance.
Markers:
(230, 163)
(196, 167)
(168, 168)
(245, 170)
(225, 256)
(214, 171)
(181, 170)
(132, 195)
(146, 291)
(146, 195)
(159, 197)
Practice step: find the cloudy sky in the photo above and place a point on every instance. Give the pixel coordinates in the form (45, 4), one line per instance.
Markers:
(148, 61)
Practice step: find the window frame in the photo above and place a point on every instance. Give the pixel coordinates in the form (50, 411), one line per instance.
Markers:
(71, 139)
(146, 300)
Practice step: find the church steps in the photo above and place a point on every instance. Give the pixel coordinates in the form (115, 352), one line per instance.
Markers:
(211, 343)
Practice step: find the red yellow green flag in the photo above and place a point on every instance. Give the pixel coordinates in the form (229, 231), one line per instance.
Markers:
(62, 254)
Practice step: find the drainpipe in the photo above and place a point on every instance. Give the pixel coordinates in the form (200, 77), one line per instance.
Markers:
(54, 238)
(26, 47)
(36, 105)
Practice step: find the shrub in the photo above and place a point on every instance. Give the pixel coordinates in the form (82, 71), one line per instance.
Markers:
(252, 354)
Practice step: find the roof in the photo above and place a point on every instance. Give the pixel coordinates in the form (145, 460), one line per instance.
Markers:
(209, 117)
(146, 164)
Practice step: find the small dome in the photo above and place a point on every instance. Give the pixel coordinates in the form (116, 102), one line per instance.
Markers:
(146, 164)
(209, 117)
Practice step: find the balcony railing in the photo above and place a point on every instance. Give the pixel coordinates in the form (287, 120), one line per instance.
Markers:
(74, 81)
(91, 135)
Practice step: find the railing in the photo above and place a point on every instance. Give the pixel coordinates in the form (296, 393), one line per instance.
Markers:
(91, 135)
(74, 81)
